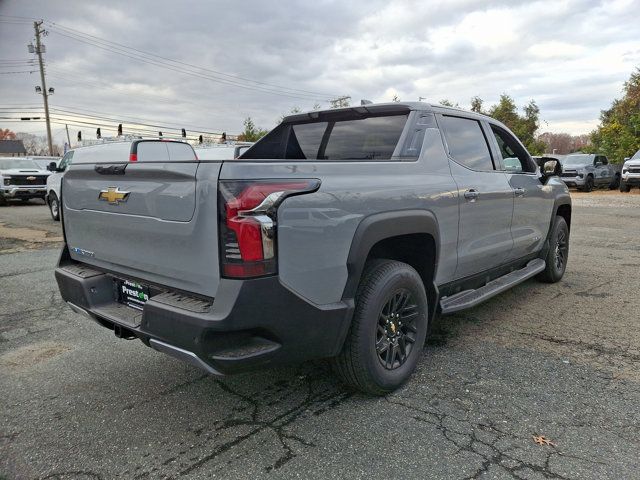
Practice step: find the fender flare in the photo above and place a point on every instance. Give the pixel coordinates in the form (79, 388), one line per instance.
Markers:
(380, 226)
(561, 200)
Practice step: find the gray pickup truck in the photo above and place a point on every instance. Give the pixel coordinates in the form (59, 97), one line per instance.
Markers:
(588, 171)
(340, 235)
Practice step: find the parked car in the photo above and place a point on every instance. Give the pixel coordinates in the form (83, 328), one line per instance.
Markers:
(53, 183)
(588, 171)
(21, 178)
(214, 262)
(222, 151)
(630, 173)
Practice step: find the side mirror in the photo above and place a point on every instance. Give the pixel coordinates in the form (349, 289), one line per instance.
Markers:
(52, 167)
(551, 167)
(626, 158)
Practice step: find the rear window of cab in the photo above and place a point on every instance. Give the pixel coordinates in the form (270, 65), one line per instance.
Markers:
(364, 138)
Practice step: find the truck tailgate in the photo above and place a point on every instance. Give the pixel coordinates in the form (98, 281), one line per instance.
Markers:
(157, 222)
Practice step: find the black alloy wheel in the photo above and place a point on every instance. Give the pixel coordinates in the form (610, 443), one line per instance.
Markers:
(396, 335)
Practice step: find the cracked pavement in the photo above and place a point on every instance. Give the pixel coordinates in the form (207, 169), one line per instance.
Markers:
(558, 360)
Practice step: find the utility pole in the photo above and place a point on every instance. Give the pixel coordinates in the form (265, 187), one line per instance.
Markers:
(340, 102)
(68, 137)
(45, 92)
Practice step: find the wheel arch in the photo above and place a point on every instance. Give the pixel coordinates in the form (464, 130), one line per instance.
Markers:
(409, 236)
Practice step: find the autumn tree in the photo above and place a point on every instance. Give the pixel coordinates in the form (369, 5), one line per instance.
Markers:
(6, 134)
(618, 135)
(251, 132)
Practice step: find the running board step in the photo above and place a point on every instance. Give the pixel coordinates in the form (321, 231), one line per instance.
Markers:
(471, 298)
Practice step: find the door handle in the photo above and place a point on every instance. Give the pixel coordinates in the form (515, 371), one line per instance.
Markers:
(471, 195)
(519, 192)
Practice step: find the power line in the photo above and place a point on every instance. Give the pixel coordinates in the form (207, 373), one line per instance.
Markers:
(282, 91)
(194, 74)
(215, 72)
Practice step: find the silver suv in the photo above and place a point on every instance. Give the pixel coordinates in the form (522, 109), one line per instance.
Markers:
(340, 235)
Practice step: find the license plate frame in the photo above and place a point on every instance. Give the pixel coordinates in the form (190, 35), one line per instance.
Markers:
(131, 293)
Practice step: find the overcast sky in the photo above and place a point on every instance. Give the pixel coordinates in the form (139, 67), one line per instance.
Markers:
(571, 57)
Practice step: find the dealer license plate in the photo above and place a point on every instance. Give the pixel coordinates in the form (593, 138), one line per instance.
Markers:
(132, 293)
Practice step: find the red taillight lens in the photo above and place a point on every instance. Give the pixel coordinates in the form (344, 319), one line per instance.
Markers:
(248, 223)
(133, 157)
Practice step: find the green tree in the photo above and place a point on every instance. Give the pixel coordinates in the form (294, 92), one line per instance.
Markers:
(251, 132)
(476, 104)
(445, 102)
(524, 126)
(618, 135)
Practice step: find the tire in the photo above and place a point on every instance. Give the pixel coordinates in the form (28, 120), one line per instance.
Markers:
(54, 206)
(364, 363)
(558, 253)
(624, 187)
(3, 202)
(616, 183)
(588, 185)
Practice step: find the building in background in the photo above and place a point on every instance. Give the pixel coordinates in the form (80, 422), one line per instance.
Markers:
(12, 148)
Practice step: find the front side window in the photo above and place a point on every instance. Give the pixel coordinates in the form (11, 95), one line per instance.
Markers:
(514, 157)
(467, 144)
(66, 161)
(368, 138)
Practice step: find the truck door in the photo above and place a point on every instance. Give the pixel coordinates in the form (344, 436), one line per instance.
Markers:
(485, 197)
(603, 170)
(533, 201)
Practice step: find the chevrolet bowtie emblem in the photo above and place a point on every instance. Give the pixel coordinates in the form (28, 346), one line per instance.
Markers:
(113, 195)
(31, 178)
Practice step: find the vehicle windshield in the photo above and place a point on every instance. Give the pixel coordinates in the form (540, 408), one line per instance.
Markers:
(574, 160)
(636, 156)
(21, 163)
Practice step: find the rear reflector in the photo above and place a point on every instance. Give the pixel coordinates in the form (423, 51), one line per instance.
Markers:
(248, 214)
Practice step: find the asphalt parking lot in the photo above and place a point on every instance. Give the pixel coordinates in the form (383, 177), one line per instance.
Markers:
(560, 361)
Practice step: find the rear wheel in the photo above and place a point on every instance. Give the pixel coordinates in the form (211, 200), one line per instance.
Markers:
(558, 253)
(388, 329)
(54, 206)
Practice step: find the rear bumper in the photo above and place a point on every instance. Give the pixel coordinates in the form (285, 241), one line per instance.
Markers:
(35, 191)
(249, 325)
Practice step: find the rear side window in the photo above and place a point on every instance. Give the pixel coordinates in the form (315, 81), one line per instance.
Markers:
(467, 144)
(164, 152)
(368, 139)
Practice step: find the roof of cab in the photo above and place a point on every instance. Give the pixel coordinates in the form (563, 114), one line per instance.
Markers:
(388, 107)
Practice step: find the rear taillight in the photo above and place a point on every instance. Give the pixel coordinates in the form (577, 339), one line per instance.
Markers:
(133, 157)
(248, 223)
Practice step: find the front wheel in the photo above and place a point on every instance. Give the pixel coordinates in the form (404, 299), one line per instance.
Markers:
(558, 253)
(616, 183)
(588, 185)
(54, 206)
(388, 330)
(624, 187)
